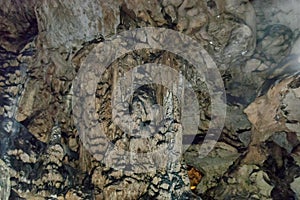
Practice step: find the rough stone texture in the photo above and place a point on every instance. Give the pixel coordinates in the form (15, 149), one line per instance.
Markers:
(271, 106)
(96, 18)
(18, 24)
(42, 47)
(215, 164)
(277, 12)
(295, 186)
(248, 182)
(5, 184)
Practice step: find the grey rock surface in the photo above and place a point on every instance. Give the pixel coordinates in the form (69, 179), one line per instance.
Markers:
(254, 44)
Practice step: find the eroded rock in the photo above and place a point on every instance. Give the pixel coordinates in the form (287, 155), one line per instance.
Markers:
(46, 156)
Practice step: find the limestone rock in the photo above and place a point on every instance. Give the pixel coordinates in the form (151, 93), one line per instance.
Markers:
(248, 182)
(4, 181)
(18, 24)
(274, 120)
(96, 17)
(295, 186)
(214, 165)
(276, 12)
(276, 43)
(43, 46)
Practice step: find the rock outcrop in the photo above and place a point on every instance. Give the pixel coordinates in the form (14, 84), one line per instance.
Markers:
(136, 130)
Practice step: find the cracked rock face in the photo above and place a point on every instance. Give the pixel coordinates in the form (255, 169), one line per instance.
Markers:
(144, 146)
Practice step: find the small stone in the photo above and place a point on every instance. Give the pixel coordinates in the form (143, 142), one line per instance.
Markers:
(25, 157)
(245, 137)
(153, 188)
(264, 188)
(165, 186)
(263, 67)
(73, 144)
(251, 65)
(155, 180)
(295, 186)
(57, 185)
(18, 73)
(232, 180)
(281, 140)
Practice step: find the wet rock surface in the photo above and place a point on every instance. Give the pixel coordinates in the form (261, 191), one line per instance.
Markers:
(50, 150)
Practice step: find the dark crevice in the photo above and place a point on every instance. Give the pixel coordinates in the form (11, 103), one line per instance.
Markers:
(22, 18)
(280, 176)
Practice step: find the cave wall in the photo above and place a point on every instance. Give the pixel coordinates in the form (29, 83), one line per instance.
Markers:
(44, 46)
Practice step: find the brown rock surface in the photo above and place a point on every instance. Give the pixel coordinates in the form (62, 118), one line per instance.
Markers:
(48, 143)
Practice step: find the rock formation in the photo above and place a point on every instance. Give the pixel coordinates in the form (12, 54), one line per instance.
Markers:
(216, 117)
